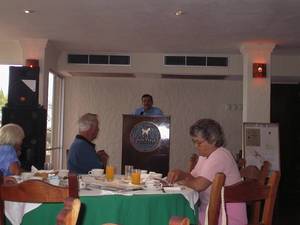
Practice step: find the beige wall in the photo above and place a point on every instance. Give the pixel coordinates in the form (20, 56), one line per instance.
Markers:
(185, 100)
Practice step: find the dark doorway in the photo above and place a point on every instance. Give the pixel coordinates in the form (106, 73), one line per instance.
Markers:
(285, 110)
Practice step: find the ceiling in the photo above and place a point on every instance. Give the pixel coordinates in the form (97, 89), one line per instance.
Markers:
(151, 26)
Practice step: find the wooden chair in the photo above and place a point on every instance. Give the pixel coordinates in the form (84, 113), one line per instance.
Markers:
(69, 214)
(251, 172)
(35, 191)
(177, 220)
(245, 191)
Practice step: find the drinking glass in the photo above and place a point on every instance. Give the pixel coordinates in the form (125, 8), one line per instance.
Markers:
(48, 166)
(136, 176)
(110, 172)
(128, 171)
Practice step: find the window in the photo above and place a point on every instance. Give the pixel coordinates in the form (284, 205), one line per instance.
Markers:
(4, 77)
(54, 120)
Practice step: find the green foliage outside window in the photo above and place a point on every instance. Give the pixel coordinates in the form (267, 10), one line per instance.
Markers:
(3, 99)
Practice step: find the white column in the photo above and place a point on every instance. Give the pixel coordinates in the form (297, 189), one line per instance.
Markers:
(35, 49)
(256, 91)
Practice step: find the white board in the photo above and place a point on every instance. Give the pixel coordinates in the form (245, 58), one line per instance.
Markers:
(261, 143)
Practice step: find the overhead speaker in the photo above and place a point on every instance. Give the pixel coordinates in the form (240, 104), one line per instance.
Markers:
(34, 123)
(23, 86)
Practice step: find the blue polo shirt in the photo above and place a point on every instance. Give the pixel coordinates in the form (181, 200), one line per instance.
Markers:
(153, 111)
(82, 156)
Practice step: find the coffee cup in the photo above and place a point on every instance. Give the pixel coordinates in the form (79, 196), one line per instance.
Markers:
(54, 180)
(153, 185)
(63, 173)
(96, 172)
(155, 175)
(82, 184)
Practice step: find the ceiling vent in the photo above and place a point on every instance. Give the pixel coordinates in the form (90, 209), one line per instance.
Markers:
(195, 61)
(99, 59)
(81, 59)
(194, 77)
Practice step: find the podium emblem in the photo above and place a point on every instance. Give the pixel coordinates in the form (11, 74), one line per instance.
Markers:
(145, 136)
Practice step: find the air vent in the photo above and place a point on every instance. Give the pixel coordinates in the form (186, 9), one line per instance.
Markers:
(81, 59)
(194, 77)
(195, 61)
(174, 60)
(217, 61)
(99, 59)
(119, 59)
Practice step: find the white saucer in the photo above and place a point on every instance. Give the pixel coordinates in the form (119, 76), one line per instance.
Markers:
(152, 188)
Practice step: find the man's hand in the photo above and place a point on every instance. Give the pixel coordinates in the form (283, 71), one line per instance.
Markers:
(103, 156)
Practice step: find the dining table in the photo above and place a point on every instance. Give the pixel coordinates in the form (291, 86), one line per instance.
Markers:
(114, 202)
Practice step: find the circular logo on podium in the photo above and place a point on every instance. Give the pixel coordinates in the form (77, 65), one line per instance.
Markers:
(145, 136)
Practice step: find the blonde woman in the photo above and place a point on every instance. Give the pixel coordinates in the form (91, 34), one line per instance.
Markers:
(11, 138)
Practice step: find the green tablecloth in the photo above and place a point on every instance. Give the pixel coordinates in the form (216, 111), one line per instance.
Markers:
(121, 209)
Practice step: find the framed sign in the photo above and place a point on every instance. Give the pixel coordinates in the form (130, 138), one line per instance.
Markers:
(261, 143)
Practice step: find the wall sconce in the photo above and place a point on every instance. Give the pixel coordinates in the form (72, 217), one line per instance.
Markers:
(259, 70)
(32, 63)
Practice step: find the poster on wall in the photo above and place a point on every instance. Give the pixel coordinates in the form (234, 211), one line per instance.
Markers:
(261, 143)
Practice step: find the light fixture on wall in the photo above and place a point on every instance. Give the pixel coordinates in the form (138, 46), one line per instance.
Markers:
(32, 63)
(259, 70)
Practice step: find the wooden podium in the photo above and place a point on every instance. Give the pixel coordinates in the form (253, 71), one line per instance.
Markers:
(146, 143)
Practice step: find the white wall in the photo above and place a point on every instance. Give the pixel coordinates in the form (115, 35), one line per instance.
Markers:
(185, 100)
(11, 53)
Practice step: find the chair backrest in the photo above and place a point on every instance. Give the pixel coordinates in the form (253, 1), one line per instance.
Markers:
(215, 198)
(246, 191)
(69, 214)
(177, 220)
(36, 191)
(252, 172)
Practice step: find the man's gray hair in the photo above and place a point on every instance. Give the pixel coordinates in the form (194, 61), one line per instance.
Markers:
(11, 134)
(210, 130)
(86, 121)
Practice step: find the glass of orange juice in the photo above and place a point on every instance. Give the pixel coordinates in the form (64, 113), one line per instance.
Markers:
(109, 172)
(136, 176)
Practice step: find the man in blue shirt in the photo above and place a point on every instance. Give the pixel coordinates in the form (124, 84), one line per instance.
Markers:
(148, 109)
(82, 155)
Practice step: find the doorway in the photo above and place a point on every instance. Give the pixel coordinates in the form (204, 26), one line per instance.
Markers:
(285, 110)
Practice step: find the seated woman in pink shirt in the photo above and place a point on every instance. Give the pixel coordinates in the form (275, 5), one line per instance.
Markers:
(208, 138)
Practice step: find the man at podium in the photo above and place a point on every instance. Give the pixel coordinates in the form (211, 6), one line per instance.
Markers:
(148, 109)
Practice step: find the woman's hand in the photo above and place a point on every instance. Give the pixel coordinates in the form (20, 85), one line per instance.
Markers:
(175, 175)
(15, 169)
(10, 180)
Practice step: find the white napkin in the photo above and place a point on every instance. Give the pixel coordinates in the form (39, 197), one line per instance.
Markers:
(170, 189)
(34, 169)
(15, 211)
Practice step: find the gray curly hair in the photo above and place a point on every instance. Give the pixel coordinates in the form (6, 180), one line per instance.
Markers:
(210, 130)
(11, 134)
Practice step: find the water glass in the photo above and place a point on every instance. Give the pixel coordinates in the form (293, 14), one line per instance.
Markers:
(128, 171)
(48, 166)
